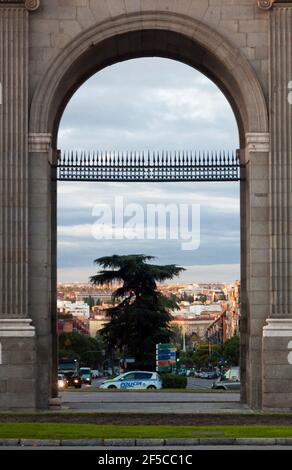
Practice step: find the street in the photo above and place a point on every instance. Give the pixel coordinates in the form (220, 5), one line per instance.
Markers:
(193, 383)
(153, 401)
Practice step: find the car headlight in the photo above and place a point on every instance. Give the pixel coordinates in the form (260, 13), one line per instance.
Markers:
(61, 383)
(76, 381)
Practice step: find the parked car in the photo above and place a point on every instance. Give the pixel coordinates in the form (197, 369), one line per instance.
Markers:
(211, 374)
(135, 380)
(85, 374)
(228, 381)
(73, 380)
(202, 374)
(95, 373)
(62, 382)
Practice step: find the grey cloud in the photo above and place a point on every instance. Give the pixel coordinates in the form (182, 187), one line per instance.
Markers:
(114, 110)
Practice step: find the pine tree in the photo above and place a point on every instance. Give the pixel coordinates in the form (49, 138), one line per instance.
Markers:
(142, 316)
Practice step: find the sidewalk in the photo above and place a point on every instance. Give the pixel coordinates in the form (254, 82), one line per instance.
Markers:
(150, 443)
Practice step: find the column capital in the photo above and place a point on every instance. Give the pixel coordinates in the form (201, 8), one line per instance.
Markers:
(258, 142)
(268, 4)
(265, 4)
(39, 143)
(30, 5)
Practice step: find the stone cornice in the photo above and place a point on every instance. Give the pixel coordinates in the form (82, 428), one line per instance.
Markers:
(30, 5)
(268, 4)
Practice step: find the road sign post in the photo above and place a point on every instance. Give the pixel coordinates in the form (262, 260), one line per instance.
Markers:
(165, 357)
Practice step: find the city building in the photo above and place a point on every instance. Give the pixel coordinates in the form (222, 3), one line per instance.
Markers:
(73, 325)
(78, 309)
(194, 325)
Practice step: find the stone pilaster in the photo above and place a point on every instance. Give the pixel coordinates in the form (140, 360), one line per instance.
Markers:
(17, 335)
(281, 162)
(277, 333)
(13, 161)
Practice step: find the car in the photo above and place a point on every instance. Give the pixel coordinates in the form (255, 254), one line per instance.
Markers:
(62, 382)
(134, 380)
(190, 373)
(95, 373)
(86, 375)
(230, 380)
(203, 375)
(211, 374)
(73, 380)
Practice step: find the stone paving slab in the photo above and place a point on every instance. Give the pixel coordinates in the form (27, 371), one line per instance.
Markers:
(151, 443)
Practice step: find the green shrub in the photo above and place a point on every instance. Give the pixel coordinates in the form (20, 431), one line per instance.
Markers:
(173, 381)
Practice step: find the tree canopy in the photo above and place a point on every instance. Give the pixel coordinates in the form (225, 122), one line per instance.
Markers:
(89, 351)
(142, 316)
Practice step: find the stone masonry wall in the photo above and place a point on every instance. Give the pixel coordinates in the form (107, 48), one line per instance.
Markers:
(57, 22)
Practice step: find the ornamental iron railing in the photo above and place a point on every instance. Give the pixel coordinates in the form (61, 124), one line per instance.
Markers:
(152, 166)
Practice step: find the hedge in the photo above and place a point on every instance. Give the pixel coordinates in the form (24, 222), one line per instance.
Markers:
(173, 381)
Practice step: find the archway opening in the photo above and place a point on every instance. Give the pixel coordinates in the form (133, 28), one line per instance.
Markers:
(160, 104)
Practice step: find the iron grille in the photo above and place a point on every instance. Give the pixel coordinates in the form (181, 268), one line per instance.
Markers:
(148, 166)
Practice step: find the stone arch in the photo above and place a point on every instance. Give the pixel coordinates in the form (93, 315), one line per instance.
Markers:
(150, 34)
(187, 40)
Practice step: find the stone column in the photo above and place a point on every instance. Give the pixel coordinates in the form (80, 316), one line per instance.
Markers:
(254, 263)
(42, 263)
(277, 333)
(17, 336)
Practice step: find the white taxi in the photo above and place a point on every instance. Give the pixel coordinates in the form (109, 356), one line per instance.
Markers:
(134, 380)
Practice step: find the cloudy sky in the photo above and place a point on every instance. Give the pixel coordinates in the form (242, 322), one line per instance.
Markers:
(149, 104)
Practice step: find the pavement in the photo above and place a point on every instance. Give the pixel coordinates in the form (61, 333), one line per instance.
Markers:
(153, 401)
(160, 445)
(182, 448)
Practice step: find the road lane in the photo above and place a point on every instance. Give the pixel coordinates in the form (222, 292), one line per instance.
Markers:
(109, 396)
(162, 407)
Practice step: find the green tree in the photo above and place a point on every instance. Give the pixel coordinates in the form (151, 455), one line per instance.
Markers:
(176, 335)
(203, 356)
(89, 351)
(187, 358)
(89, 301)
(202, 298)
(231, 351)
(142, 316)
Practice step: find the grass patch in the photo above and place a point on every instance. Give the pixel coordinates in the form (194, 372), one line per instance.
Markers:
(91, 431)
